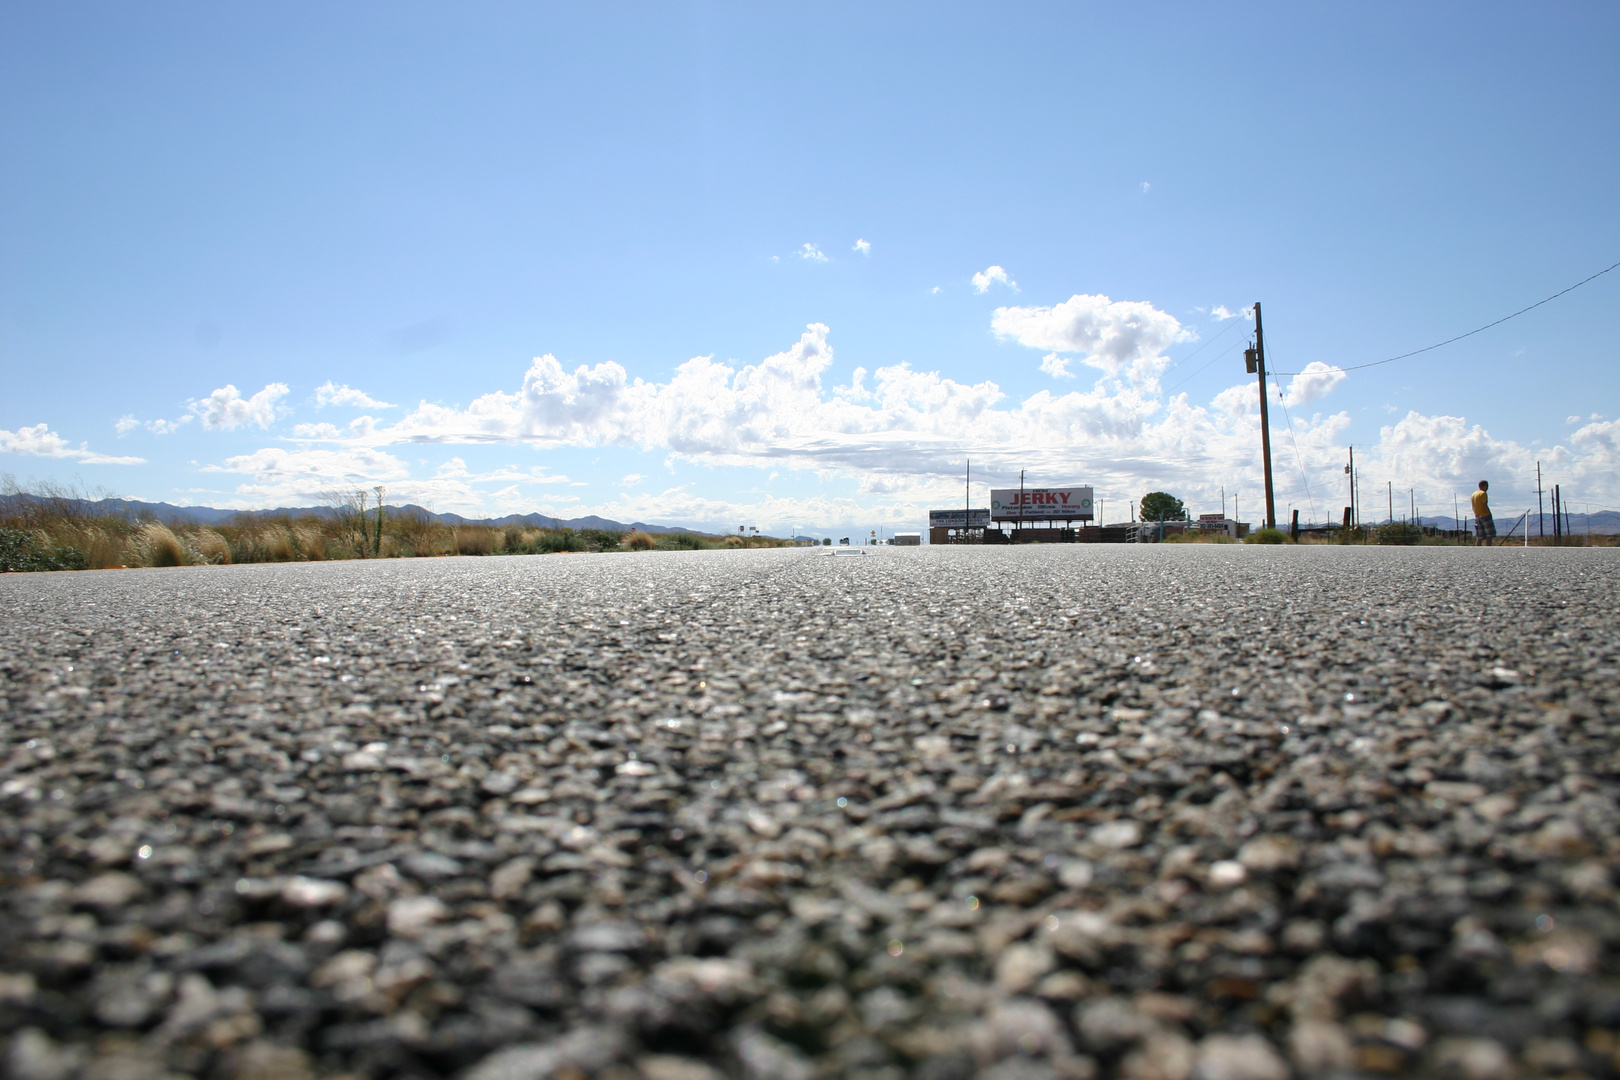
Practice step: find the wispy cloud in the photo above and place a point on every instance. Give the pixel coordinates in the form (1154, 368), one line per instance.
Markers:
(863, 246)
(127, 423)
(983, 279)
(40, 441)
(813, 253)
(332, 394)
(1220, 312)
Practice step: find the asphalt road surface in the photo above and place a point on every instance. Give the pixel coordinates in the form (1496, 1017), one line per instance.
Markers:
(1234, 813)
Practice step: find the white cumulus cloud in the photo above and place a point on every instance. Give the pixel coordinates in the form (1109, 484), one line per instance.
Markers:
(1056, 366)
(983, 279)
(813, 253)
(900, 435)
(1221, 312)
(332, 394)
(1119, 337)
(226, 409)
(41, 441)
(863, 246)
(1316, 381)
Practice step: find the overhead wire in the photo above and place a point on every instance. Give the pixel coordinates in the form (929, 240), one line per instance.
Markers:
(1201, 370)
(1471, 333)
(1230, 323)
(1298, 460)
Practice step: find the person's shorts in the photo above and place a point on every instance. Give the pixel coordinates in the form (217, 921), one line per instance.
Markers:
(1484, 527)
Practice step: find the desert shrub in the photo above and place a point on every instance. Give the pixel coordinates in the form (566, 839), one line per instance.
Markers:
(563, 540)
(309, 541)
(683, 542)
(260, 539)
(210, 546)
(512, 539)
(601, 539)
(640, 541)
(278, 545)
(106, 544)
(1198, 537)
(155, 545)
(412, 529)
(1267, 536)
(22, 552)
(1400, 533)
(475, 541)
(734, 541)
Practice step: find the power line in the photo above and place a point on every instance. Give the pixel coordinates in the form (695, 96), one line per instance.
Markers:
(1306, 480)
(1229, 324)
(1201, 370)
(1471, 333)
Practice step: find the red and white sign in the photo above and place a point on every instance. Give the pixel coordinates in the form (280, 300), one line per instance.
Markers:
(1040, 504)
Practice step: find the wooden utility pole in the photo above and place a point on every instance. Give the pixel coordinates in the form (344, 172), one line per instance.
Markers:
(1350, 470)
(1256, 358)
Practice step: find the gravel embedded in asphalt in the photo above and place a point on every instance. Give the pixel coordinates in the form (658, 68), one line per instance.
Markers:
(1157, 812)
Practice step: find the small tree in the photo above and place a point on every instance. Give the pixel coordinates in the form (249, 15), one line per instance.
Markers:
(347, 508)
(1162, 506)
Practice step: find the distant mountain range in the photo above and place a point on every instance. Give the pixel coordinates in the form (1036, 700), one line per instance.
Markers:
(1604, 521)
(208, 515)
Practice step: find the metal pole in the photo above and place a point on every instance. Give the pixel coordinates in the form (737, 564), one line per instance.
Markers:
(1541, 514)
(1390, 491)
(1020, 526)
(1265, 418)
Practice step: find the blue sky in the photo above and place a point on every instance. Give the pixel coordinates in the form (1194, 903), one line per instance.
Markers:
(207, 214)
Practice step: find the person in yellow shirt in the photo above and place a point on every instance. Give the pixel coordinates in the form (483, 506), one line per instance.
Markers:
(1484, 525)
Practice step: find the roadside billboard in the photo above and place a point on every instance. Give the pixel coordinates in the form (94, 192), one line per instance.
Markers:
(1041, 504)
(958, 519)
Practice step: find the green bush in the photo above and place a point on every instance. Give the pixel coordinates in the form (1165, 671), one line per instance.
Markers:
(683, 542)
(1267, 536)
(601, 539)
(566, 540)
(1399, 532)
(24, 552)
